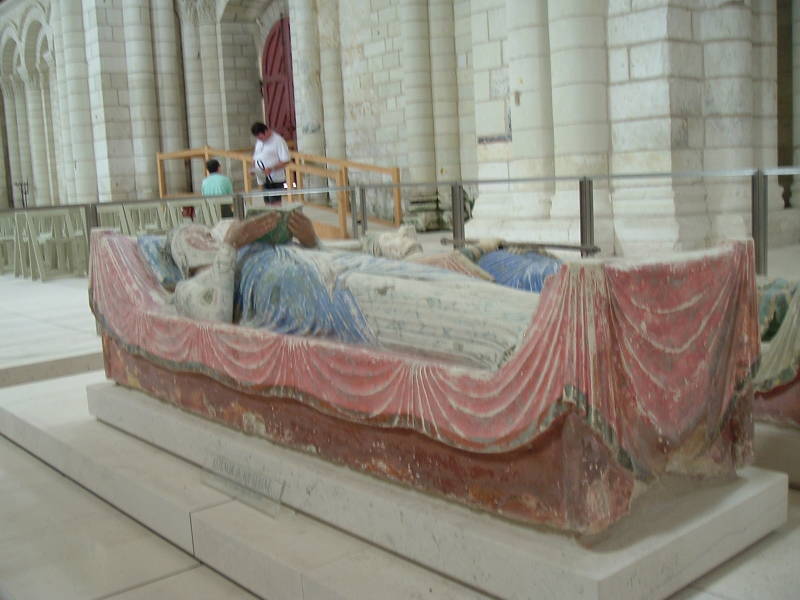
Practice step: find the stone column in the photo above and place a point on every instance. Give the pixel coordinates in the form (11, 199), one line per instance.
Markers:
(23, 136)
(581, 136)
(142, 95)
(79, 104)
(795, 134)
(212, 75)
(330, 64)
(493, 215)
(727, 34)
(64, 155)
(530, 106)
(40, 186)
(169, 81)
(5, 172)
(193, 83)
(466, 88)
(54, 134)
(417, 94)
(12, 133)
(306, 74)
(655, 104)
(444, 90)
(783, 225)
(796, 97)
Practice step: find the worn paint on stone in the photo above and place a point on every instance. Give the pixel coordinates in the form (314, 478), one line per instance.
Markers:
(628, 370)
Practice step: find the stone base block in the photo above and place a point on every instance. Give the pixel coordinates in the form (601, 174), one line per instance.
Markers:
(270, 550)
(778, 448)
(783, 227)
(50, 369)
(558, 231)
(677, 531)
(659, 236)
(429, 220)
(729, 226)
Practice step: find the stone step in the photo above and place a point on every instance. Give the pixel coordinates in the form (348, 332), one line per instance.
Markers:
(50, 369)
(778, 448)
(676, 532)
(275, 552)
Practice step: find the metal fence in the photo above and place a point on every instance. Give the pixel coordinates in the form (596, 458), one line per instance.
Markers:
(92, 213)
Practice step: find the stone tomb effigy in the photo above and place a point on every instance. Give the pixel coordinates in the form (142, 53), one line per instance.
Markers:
(628, 371)
(777, 382)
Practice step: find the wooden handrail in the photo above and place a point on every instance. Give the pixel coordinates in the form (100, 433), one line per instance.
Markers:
(294, 173)
(345, 164)
(309, 170)
(294, 178)
(342, 162)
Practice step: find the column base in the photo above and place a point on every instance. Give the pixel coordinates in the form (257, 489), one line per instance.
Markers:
(423, 213)
(783, 226)
(542, 230)
(659, 219)
(655, 236)
(508, 204)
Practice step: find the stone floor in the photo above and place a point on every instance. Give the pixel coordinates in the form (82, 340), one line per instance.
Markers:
(44, 320)
(58, 540)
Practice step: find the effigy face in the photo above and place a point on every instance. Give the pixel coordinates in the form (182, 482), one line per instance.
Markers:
(623, 372)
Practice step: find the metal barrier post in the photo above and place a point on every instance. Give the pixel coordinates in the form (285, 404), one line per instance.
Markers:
(92, 221)
(457, 195)
(759, 219)
(238, 206)
(354, 213)
(586, 190)
(362, 205)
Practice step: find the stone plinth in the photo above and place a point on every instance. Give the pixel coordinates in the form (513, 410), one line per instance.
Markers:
(778, 448)
(673, 536)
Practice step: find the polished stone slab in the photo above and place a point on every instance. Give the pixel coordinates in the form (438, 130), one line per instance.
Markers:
(59, 541)
(768, 569)
(50, 369)
(43, 322)
(274, 551)
(287, 556)
(778, 448)
(50, 420)
(198, 583)
(674, 535)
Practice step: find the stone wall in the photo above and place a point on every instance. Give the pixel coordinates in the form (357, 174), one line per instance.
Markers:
(660, 86)
(372, 91)
(94, 88)
(443, 89)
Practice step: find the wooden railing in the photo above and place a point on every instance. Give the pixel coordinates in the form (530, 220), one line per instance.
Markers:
(301, 160)
(333, 169)
(205, 153)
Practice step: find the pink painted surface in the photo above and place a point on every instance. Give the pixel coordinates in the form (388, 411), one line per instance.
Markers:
(779, 406)
(652, 355)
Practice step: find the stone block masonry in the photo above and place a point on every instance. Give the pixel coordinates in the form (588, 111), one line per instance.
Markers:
(444, 89)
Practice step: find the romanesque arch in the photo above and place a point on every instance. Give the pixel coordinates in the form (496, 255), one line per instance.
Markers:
(38, 82)
(9, 47)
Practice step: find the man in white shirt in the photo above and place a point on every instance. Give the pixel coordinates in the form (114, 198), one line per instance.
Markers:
(270, 157)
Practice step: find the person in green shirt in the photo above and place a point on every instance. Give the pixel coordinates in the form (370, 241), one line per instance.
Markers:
(216, 184)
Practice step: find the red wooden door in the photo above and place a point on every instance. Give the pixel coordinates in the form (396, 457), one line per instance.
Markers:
(278, 89)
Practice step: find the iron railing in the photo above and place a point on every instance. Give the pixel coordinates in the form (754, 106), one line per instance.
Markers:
(358, 193)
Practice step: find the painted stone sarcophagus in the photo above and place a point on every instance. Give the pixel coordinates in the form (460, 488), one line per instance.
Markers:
(624, 372)
(777, 382)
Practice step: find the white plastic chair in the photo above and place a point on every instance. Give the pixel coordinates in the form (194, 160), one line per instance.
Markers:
(147, 218)
(113, 217)
(7, 242)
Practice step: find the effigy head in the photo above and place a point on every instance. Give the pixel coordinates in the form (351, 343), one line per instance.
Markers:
(192, 246)
(398, 244)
